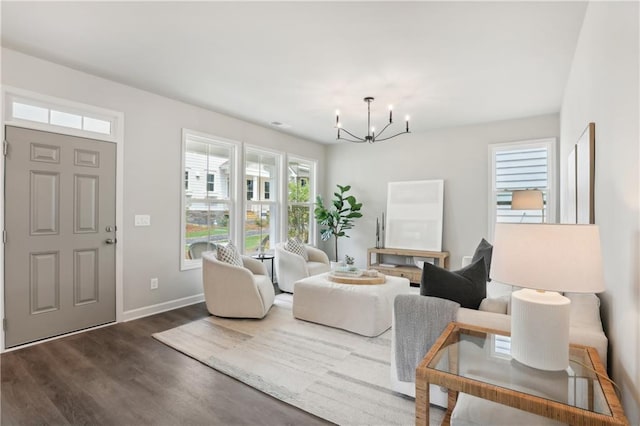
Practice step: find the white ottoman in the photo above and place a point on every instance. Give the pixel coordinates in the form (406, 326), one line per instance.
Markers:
(362, 309)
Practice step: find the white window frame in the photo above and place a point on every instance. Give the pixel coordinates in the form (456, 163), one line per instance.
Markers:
(12, 95)
(552, 170)
(312, 196)
(279, 203)
(186, 264)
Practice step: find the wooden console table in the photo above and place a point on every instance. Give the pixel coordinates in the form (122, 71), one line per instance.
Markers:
(411, 272)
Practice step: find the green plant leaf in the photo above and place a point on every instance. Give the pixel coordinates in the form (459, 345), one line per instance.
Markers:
(325, 234)
(338, 217)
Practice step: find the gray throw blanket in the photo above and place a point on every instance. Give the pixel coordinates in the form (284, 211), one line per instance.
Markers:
(419, 321)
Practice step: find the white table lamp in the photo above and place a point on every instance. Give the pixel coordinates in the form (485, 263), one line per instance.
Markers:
(527, 199)
(545, 259)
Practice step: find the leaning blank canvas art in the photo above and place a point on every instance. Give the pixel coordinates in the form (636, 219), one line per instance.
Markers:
(414, 215)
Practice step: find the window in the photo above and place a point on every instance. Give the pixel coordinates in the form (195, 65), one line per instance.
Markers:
(501, 347)
(83, 123)
(226, 198)
(266, 190)
(300, 199)
(208, 209)
(30, 112)
(262, 170)
(517, 166)
(249, 189)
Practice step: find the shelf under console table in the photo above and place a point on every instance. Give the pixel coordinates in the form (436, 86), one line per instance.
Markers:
(411, 272)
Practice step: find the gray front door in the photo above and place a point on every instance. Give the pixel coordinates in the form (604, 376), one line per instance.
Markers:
(60, 224)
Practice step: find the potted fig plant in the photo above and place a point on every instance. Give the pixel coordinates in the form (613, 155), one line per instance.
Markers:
(339, 217)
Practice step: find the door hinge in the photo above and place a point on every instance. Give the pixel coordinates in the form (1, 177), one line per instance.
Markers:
(5, 148)
(4, 237)
(4, 324)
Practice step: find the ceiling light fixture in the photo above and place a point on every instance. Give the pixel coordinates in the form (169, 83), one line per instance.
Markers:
(371, 131)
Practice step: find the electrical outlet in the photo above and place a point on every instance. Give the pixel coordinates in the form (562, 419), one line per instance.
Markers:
(154, 283)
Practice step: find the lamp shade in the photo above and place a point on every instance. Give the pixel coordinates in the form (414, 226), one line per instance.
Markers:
(548, 257)
(530, 199)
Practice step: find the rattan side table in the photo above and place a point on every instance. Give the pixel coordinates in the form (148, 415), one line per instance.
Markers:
(476, 361)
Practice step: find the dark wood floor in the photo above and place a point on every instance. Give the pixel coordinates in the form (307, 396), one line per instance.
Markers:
(120, 375)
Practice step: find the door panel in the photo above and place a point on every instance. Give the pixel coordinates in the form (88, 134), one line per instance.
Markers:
(60, 202)
(87, 158)
(44, 282)
(44, 203)
(45, 153)
(85, 204)
(85, 276)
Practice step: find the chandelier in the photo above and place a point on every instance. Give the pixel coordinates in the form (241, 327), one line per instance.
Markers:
(371, 136)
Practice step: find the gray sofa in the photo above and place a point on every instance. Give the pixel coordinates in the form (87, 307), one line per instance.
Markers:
(585, 329)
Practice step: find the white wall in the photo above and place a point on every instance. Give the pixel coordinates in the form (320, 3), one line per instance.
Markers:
(457, 155)
(152, 175)
(603, 88)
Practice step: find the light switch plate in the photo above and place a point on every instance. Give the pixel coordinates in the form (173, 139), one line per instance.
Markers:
(142, 220)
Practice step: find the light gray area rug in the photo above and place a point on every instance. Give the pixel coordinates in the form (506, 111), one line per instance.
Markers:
(336, 375)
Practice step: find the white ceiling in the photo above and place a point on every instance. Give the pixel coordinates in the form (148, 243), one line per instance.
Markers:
(444, 63)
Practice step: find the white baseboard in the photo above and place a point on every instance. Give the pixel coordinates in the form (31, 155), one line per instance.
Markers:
(161, 307)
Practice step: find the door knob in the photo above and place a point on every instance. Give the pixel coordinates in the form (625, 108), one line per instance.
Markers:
(111, 241)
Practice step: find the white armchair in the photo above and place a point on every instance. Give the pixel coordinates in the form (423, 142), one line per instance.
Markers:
(235, 291)
(291, 267)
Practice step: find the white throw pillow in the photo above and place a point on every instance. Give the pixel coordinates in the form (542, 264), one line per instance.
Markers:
(498, 305)
(294, 246)
(229, 254)
(585, 310)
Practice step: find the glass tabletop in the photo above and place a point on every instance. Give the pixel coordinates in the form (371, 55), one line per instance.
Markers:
(486, 358)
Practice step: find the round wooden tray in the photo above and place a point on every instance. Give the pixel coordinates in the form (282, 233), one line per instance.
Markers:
(380, 279)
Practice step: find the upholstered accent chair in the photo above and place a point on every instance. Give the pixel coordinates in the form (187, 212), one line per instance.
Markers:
(236, 291)
(291, 267)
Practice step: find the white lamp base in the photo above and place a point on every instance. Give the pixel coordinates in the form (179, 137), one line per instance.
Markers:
(540, 329)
